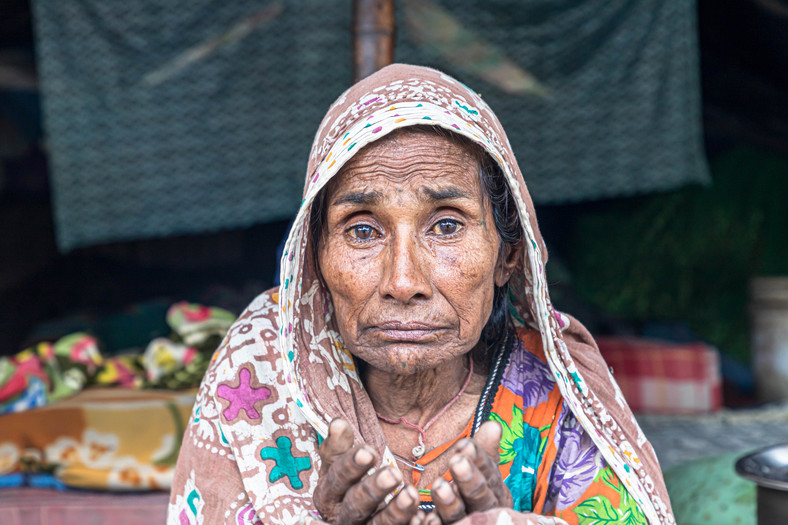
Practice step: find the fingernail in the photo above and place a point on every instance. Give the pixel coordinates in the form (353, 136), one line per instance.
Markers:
(388, 479)
(466, 447)
(432, 519)
(404, 499)
(461, 469)
(444, 491)
(363, 457)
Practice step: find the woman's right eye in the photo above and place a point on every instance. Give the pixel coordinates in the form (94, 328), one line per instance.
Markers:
(362, 232)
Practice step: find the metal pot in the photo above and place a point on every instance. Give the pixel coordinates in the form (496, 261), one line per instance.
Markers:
(768, 468)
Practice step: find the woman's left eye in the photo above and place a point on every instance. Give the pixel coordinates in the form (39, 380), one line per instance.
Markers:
(446, 227)
(362, 232)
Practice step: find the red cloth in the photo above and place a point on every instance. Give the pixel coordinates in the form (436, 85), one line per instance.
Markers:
(664, 377)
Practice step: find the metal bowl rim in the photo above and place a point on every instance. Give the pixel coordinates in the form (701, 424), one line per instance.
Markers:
(759, 480)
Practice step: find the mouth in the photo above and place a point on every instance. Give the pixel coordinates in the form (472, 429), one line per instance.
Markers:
(411, 332)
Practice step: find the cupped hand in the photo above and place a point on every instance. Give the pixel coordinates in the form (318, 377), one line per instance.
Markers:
(345, 494)
(478, 485)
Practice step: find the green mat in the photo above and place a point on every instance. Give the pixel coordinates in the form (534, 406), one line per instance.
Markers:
(708, 491)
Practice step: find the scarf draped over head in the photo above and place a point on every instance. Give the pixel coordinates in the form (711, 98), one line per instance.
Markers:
(318, 372)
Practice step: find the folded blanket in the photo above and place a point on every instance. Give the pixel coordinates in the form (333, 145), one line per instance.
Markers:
(47, 372)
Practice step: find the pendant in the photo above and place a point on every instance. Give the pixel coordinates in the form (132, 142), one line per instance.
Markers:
(419, 449)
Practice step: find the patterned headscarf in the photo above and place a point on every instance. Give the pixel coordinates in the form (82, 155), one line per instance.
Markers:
(319, 373)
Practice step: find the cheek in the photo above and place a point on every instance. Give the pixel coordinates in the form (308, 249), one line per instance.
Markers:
(351, 277)
(466, 278)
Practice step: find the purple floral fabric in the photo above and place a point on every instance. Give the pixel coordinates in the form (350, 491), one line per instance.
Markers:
(577, 463)
(527, 376)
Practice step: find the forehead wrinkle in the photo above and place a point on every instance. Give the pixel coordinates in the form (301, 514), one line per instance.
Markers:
(403, 166)
(398, 162)
(399, 173)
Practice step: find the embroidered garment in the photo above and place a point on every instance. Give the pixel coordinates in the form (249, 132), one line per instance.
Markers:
(283, 373)
(547, 460)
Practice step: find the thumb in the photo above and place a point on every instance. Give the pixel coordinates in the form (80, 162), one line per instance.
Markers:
(339, 440)
(488, 437)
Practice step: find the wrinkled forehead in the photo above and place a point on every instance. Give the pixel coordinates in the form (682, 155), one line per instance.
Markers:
(429, 160)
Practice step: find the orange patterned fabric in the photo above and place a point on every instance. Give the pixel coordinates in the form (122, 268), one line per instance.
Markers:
(548, 462)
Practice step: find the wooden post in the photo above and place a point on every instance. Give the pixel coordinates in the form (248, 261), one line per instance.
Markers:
(373, 36)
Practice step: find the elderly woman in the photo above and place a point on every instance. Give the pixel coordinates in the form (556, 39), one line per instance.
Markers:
(410, 368)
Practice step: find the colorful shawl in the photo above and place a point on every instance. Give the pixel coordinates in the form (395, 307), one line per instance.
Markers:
(282, 373)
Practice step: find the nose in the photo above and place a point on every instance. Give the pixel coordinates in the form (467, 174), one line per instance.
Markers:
(404, 277)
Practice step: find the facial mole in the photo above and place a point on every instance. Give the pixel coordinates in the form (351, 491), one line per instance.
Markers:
(404, 364)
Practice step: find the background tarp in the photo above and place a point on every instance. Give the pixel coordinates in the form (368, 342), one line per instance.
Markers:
(179, 117)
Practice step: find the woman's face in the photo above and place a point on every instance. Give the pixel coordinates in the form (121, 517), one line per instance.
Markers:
(410, 253)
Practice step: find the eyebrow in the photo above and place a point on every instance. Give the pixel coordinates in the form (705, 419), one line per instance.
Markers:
(364, 198)
(369, 198)
(446, 193)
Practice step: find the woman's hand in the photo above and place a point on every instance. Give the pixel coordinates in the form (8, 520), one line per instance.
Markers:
(346, 495)
(478, 485)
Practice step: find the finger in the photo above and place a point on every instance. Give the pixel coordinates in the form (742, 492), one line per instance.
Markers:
(418, 519)
(401, 509)
(344, 473)
(483, 451)
(432, 519)
(488, 437)
(338, 441)
(448, 503)
(364, 498)
(471, 484)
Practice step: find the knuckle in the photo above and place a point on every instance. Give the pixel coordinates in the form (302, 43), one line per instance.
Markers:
(370, 493)
(361, 500)
(350, 513)
(323, 502)
(392, 515)
(344, 471)
(477, 494)
(451, 513)
(384, 518)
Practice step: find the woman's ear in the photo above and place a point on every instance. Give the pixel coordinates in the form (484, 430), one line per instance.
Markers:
(508, 259)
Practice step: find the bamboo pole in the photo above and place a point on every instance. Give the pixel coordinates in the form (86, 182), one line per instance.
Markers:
(373, 31)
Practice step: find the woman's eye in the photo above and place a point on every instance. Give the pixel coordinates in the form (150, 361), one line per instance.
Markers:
(362, 232)
(446, 227)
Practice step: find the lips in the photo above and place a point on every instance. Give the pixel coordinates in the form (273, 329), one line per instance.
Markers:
(413, 331)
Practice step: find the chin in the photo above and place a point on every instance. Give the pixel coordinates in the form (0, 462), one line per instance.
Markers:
(407, 359)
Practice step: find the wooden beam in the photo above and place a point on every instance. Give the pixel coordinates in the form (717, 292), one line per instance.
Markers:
(373, 30)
